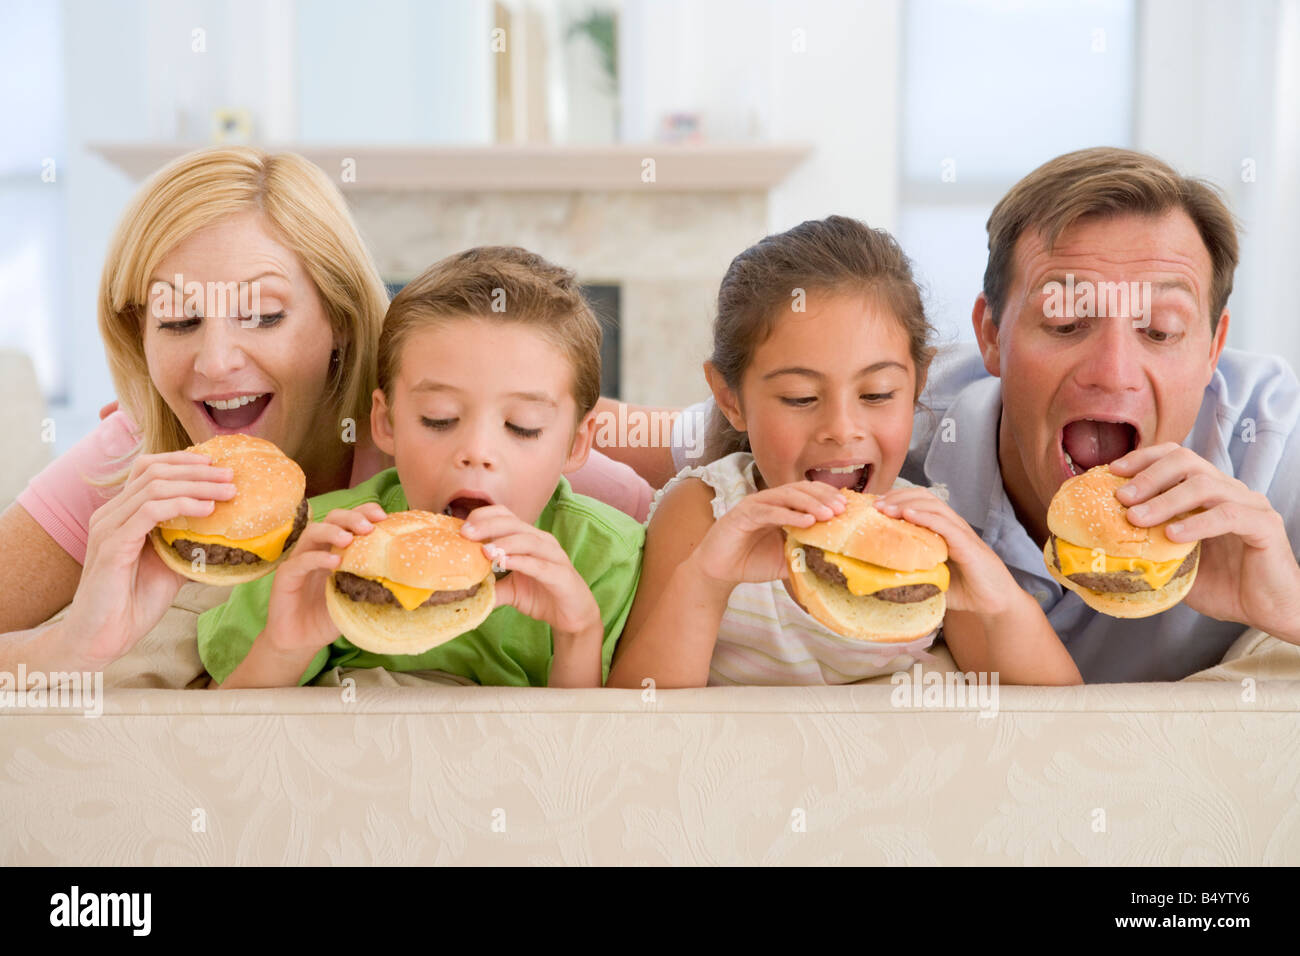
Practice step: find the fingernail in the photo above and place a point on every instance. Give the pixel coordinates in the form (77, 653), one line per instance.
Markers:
(365, 524)
(1127, 491)
(467, 529)
(1138, 511)
(1175, 529)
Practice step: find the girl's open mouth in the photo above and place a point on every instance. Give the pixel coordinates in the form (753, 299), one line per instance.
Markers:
(846, 476)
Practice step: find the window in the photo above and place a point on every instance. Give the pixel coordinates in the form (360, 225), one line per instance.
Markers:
(965, 141)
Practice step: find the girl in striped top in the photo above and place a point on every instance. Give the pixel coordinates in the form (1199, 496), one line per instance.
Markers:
(820, 352)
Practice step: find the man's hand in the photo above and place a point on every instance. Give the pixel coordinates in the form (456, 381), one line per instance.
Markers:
(1248, 571)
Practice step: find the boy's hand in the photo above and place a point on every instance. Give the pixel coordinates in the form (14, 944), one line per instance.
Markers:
(543, 584)
(979, 581)
(297, 620)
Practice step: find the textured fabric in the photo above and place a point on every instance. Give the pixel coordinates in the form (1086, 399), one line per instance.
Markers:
(508, 648)
(765, 637)
(1248, 427)
(383, 768)
(374, 772)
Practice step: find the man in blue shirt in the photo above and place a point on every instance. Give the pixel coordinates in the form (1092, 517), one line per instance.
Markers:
(1100, 338)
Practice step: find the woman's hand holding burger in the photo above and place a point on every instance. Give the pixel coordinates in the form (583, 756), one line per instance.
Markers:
(544, 585)
(125, 587)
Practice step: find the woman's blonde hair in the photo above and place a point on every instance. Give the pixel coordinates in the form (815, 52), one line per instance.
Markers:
(309, 216)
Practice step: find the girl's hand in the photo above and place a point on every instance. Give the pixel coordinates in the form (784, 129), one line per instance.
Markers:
(296, 619)
(979, 581)
(125, 588)
(544, 584)
(747, 544)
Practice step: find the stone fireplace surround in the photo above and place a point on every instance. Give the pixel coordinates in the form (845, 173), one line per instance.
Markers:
(660, 222)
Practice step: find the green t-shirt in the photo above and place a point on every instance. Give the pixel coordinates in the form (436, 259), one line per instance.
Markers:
(507, 649)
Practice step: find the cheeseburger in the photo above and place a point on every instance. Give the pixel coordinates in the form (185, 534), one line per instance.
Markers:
(410, 584)
(1116, 567)
(247, 536)
(868, 576)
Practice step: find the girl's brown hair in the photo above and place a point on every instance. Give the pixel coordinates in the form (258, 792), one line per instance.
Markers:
(835, 255)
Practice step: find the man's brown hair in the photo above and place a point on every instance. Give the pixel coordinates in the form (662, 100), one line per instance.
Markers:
(499, 284)
(1100, 182)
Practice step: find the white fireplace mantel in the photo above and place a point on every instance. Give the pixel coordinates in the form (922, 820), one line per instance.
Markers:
(710, 167)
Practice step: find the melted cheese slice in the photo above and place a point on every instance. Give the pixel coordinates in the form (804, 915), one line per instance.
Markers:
(1079, 560)
(409, 597)
(865, 578)
(266, 546)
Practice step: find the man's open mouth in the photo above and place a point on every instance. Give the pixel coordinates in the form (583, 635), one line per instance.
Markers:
(235, 414)
(1089, 442)
(842, 476)
(461, 507)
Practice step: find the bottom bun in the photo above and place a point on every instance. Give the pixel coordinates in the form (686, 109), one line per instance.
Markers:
(1127, 604)
(863, 617)
(392, 629)
(222, 575)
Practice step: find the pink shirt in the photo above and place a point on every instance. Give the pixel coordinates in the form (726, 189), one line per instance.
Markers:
(61, 501)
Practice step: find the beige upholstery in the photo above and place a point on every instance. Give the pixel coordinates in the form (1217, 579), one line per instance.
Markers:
(398, 768)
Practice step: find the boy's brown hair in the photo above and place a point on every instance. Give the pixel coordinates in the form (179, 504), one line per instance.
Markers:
(1106, 181)
(500, 284)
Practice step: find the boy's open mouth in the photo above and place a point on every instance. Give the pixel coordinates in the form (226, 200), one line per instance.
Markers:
(842, 476)
(461, 507)
(1089, 442)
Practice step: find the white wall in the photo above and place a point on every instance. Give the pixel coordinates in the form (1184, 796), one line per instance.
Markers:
(106, 89)
(742, 66)
(1220, 90)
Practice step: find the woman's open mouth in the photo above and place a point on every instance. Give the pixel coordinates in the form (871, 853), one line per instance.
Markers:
(842, 476)
(236, 414)
(1089, 442)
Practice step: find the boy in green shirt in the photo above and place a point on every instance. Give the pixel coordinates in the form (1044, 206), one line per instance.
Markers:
(489, 369)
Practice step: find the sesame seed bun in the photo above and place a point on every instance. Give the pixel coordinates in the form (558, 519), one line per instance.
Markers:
(1085, 512)
(863, 532)
(422, 550)
(269, 488)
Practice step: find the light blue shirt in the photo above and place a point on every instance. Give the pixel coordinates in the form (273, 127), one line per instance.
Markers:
(1248, 427)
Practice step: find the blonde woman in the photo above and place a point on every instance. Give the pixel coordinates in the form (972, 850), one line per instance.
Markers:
(289, 356)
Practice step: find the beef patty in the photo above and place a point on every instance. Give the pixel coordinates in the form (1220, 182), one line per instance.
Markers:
(905, 594)
(1122, 582)
(223, 554)
(370, 591)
